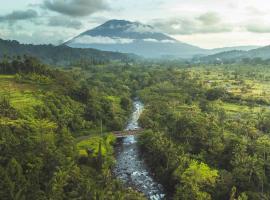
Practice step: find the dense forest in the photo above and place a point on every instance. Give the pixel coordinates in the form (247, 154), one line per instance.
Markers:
(61, 55)
(208, 132)
(206, 129)
(43, 112)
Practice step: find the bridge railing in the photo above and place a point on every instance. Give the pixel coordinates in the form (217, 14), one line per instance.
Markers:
(127, 132)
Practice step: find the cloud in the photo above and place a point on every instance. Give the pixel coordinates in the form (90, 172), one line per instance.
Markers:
(141, 28)
(61, 21)
(86, 39)
(19, 15)
(43, 35)
(253, 11)
(75, 8)
(208, 22)
(258, 28)
(101, 40)
(209, 18)
(150, 40)
(162, 41)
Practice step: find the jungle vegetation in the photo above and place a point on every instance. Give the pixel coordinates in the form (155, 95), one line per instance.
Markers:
(206, 128)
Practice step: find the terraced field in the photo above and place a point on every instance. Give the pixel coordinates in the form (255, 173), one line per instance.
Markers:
(23, 97)
(251, 89)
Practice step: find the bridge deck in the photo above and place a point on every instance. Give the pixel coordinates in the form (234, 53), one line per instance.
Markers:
(120, 134)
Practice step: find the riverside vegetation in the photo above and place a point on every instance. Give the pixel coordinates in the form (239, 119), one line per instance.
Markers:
(206, 129)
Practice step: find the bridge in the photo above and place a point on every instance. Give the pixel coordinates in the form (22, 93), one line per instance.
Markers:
(121, 134)
(118, 134)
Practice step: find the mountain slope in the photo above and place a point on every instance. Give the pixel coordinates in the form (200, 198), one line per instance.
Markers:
(238, 55)
(133, 37)
(137, 38)
(263, 52)
(234, 48)
(60, 55)
(126, 29)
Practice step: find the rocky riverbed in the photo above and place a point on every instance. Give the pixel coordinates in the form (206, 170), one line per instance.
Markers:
(130, 167)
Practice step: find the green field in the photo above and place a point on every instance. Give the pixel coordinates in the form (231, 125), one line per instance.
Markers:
(240, 81)
(23, 97)
(92, 144)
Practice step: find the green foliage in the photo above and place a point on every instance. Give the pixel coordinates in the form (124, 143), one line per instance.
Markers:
(61, 55)
(215, 94)
(39, 157)
(6, 110)
(25, 65)
(208, 134)
(205, 112)
(196, 181)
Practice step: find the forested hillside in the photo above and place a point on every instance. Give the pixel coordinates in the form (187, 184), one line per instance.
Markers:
(59, 55)
(43, 112)
(257, 56)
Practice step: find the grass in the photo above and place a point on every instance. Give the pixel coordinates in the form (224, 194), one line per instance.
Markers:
(92, 143)
(23, 97)
(245, 84)
(244, 81)
(235, 108)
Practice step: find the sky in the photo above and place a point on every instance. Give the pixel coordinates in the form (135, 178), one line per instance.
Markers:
(204, 23)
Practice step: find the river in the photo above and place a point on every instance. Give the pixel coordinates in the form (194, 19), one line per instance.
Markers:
(130, 167)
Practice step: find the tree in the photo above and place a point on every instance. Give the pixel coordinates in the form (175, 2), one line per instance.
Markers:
(15, 181)
(215, 94)
(248, 170)
(196, 182)
(263, 151)
(99, 158)
(233, 195)
(126, 103)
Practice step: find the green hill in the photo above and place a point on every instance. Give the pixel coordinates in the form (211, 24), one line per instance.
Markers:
(59, 55)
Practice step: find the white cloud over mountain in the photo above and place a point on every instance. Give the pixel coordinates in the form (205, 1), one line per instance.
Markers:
(85, 39)
(162, 41)
(209, 22)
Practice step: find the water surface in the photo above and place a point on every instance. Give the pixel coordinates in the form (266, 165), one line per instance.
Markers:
(130, 167)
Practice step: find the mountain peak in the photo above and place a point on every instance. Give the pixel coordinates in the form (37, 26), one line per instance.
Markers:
(132, 37)
(128, 25)
(128, 30)
(118, 22)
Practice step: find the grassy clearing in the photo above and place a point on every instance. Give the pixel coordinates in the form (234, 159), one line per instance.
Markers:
(92, 143)
(235, 108)
(241, 82)
(251, 86)
(23, 97)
